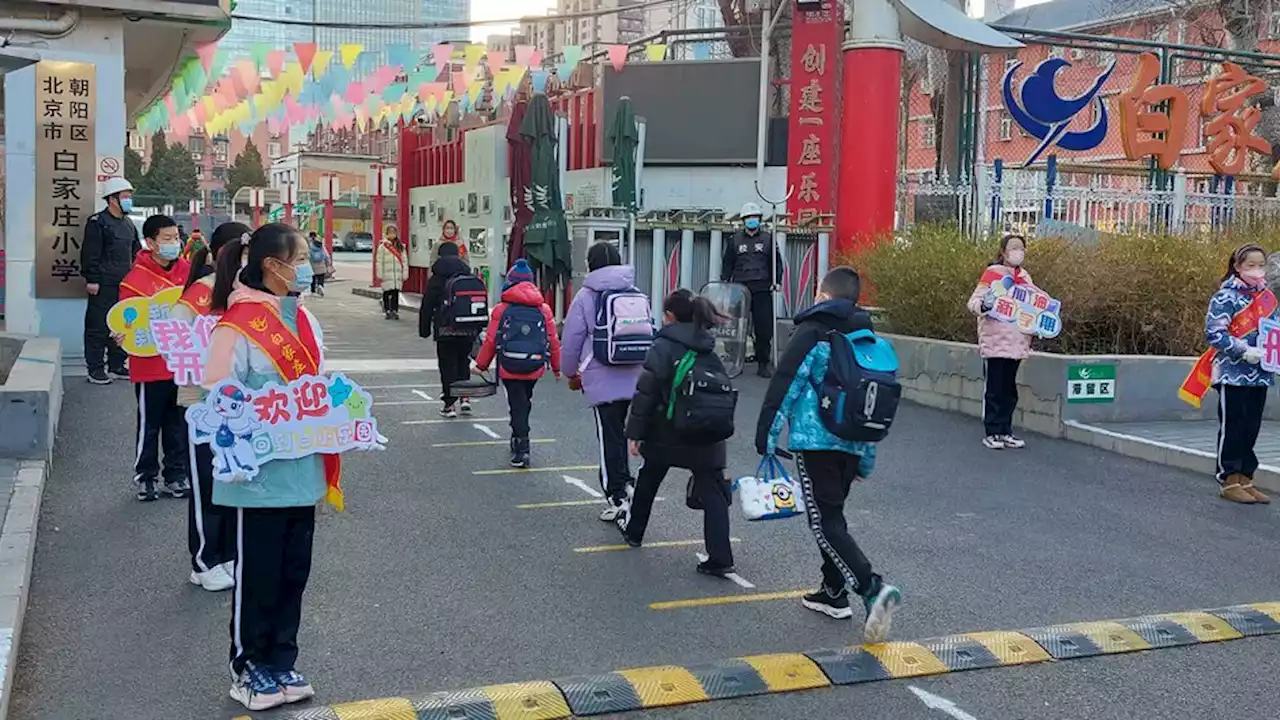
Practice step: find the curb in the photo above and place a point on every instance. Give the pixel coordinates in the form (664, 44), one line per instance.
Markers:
(375, 294)
(666, 685)
(1267, 477)
(17, 549)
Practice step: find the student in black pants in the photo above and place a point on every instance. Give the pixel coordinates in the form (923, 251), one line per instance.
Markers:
(651, 435)
(453, 345)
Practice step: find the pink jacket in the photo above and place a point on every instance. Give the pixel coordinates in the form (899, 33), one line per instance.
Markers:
(1000, 339)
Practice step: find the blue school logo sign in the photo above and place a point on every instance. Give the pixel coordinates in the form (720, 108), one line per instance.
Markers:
(1045, 115)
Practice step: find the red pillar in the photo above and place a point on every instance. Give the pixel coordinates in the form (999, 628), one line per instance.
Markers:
(328, 225)
(868, 188)
(288, 213)
(377, 229)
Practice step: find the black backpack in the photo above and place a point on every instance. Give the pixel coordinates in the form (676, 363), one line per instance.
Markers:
(859, 395)
(465, 309)
(702, 400)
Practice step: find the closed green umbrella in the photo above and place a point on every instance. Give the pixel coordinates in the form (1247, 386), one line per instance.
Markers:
(546, 240)
(624, 138)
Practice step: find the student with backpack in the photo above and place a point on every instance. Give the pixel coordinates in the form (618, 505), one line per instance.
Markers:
(456, 306)
(681, 417)
(607, 334)
(522, 337)
(837, 390)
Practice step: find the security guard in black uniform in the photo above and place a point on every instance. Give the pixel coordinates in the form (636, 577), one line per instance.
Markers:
(749, 257)
(110, 242)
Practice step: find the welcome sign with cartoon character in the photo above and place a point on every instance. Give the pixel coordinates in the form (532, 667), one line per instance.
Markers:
(311, 415)
(133, 320)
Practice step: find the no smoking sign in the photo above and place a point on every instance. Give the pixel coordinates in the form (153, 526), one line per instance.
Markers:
(108, 167)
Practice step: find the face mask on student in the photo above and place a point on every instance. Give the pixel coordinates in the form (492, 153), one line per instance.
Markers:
(126, 205)
(1254, 277)
(1014, 258)
(168, 251)
(752, 223)
(302, 275)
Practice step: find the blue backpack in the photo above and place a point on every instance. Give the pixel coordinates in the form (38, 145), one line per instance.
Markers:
(860, 392)
(522, 340)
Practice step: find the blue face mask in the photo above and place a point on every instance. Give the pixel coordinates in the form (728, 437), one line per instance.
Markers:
(752, 223)
(168, 251)
(126, 205)
(302, 277)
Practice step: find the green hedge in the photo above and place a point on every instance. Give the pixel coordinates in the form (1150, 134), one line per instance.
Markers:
(1127, 294)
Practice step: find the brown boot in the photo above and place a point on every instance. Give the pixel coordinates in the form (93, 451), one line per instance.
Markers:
(1254, 492)
(1233, 490)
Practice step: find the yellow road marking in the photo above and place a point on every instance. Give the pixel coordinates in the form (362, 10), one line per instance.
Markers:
(664, 685)
(520, 471)
(659, 544)
(785, 672)
(727, 600)
(476, 443)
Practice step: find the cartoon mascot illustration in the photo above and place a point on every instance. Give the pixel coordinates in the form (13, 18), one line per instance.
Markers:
(231, 425)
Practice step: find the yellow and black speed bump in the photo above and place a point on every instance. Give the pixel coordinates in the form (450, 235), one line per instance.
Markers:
(652, 687)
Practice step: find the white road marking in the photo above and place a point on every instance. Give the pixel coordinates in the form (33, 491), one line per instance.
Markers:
(400, 387)
(422, 394)
(400, 402)
(741, 581)
(380, 365)
(442, 421)
(485, 429)
(937, 702)
(580, 484)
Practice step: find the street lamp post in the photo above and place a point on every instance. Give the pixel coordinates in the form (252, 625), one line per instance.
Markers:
(377, 222)
(256, 198)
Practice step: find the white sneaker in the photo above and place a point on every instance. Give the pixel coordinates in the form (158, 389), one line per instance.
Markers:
(1013, 441)
(612, 510)
(215, 579)
(257, 690)
(464, 406)
(448, 411)
(993, 442)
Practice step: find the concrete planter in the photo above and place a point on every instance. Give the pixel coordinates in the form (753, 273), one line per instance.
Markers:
(30, 397)
(948, 375)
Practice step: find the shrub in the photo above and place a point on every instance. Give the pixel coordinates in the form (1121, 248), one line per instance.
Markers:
(1127, 294)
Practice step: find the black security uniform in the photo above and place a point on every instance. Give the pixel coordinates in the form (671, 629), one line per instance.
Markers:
(106, 255)
(747, 260)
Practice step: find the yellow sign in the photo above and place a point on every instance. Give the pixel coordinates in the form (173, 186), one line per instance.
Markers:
(132, 319)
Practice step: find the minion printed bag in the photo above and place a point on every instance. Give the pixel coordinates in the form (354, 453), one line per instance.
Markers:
(770, 494)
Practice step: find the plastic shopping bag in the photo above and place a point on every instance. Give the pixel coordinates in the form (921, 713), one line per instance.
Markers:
(770, 494)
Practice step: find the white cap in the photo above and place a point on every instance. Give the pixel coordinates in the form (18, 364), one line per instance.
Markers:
(116, 185)
(750, 210)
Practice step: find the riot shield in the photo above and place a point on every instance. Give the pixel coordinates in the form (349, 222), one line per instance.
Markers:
(734, 302)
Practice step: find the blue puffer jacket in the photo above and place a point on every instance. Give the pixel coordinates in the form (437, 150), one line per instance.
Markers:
(1229, 365)
(799, 407)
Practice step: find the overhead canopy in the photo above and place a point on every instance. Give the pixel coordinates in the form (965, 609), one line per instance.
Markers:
(942, 25)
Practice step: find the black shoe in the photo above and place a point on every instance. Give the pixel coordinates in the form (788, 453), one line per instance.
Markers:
(764, 371)
(521, 457)
(707, 568)
(395, 315)
(835, 606)
(147, 491)
(99, 377)
(120, 373)
(177, 488)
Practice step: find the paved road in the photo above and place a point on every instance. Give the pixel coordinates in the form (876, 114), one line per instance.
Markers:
(355, 268)
(439, 578)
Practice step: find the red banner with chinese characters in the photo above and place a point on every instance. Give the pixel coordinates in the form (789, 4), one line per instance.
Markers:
(813, 145)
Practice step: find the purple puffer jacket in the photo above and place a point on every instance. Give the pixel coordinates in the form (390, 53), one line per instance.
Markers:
(602, 383)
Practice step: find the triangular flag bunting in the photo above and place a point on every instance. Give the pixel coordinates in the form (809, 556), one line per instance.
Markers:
(442, 54)
(460, 81)
(523, 55)
(205, 51)
(275, 62)
(472, 54)
(401, 55)
(306, 53)
(349, 52)
(539, 81)
(655, 52)
(355, 93)
(617, 56)
(564, 71)
(572, 55)
(259, 53)
(320, 65)
(496, 59)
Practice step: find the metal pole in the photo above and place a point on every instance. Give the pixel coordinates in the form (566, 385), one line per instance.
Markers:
(773, 259)
(767, 22)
